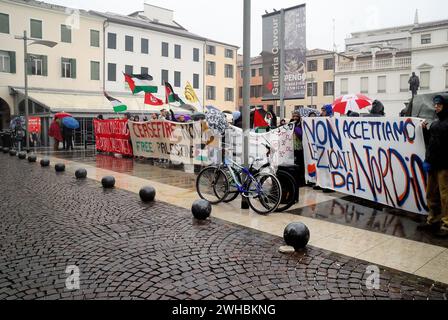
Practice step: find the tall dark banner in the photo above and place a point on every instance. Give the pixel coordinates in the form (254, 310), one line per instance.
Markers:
(294, 41)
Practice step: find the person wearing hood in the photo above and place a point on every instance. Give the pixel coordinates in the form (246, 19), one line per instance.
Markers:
(327, 111)
(377, 109)
(436, 164)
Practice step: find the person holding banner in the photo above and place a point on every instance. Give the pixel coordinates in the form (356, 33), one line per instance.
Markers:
(436, 164)
(299, 158)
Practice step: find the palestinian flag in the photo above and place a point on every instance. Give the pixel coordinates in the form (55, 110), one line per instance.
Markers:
(140, 82)
(171, 97)
(259, 121)
(117, 104)
(151, 100)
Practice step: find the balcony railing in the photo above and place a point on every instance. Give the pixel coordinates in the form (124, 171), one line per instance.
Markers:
(374, 64)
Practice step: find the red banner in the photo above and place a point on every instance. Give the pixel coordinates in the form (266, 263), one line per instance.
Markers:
(113, 136)
(34, 125)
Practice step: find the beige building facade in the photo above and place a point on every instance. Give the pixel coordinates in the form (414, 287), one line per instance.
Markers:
(74, 64)
(220, 70)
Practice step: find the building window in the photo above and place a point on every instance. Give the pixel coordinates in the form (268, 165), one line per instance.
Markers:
(241, 93)
(328, 88)
(165, 77)
(68, 68)
(329, 64)
(112, 40)
(195, 54)
(66, 33)
(165, 49)
(144, 70)
(4, 23)
(195, 81)
(364, 85)
(344, 86)
(129, 69)
(177, 79)
(382, 84)
(129, 43)
(253, 73)
(111, 72)
(94, 38)
(228, 70)
(404, 78)
(312, 65)
(242, 73)
(37, 65)
(36, 29)
(211, 68)
(211, 93)
(426, 38)
(260, 72)
(311, 89)
(94, 70)
(177, 51)
(256, 91)
(229, 53)
(5, 62)
(144, 46)
(424, 80)
(228, 92)
(211, 50)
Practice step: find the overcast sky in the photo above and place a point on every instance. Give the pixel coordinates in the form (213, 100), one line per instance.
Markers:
(223, 20)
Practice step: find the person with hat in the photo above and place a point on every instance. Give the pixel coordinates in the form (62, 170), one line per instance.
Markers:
(436, 165)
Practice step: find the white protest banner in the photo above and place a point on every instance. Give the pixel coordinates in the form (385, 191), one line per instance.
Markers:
(378, 159)
(187, 143)
(280, 140)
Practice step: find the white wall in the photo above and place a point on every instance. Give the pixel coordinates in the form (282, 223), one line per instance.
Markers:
(392, 99)
(154, 60)
(434, 54)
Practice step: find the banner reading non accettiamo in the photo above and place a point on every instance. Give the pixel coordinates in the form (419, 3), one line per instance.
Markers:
(377, 159)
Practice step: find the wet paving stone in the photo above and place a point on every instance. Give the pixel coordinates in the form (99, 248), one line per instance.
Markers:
(128, 250)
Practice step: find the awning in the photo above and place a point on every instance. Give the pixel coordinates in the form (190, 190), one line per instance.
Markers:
(89, 103)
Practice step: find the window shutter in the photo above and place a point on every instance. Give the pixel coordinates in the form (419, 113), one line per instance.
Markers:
(12, 61)
(73, 66)
(62, 67)
(44, 65)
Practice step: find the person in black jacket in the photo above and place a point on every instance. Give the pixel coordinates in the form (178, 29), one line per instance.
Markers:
(377, 109)
(436, 164)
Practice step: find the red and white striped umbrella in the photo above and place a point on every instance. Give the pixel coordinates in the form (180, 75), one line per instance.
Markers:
(351, 102)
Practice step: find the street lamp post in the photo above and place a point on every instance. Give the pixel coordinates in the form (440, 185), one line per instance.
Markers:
(46, 43)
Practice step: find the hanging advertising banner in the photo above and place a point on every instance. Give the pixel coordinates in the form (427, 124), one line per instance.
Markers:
(377, 159)
(188, 143)
(113, 136)
(286, 32)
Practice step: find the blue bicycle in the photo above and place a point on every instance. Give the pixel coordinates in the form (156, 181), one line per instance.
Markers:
(262, 190)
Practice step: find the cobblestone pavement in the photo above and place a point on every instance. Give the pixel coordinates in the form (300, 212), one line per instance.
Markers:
(127, 250)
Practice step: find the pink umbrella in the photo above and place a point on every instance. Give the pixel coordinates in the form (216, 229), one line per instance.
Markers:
(351, 102)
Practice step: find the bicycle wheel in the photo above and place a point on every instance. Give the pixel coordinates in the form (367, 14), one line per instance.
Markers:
(212, 185)
(289, 191)
(233, 189)
(265, 193)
